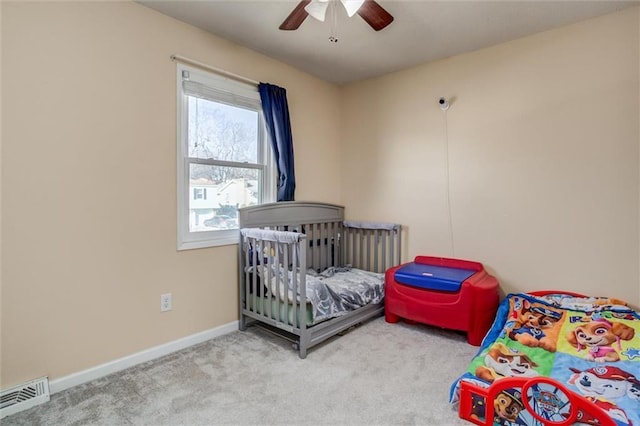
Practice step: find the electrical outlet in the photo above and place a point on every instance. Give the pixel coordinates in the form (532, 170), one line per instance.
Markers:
(165, 302)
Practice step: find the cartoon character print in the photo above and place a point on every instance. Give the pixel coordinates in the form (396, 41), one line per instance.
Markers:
(583, 303)
(501, 361)
(535, 326)
(618, 415)
(623, 315)
(583, 418)
(605, 384)
(507, 407)
(615, 412)
(478, 408)
(634, 392)
(599, 336)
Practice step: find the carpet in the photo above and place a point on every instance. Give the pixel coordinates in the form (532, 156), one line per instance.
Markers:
(375, 374)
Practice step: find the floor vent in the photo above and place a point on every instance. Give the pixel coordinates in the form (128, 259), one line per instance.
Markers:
(24, 396)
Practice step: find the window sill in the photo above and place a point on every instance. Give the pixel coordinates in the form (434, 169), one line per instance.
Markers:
(217, 242)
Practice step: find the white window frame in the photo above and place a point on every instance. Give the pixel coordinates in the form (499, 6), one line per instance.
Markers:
(192, 240)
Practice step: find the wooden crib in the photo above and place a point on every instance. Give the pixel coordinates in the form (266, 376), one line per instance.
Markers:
(304, 270)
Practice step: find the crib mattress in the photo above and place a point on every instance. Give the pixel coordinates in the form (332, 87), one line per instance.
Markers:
(284, 314)
(334, 291)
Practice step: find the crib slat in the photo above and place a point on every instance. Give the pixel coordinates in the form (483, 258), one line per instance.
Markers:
(328, 244)
(254, 277)
(355, 240)
(337, 243)
(294, 285)
(275, 278)
(368, 235)
(399, 239)
(376, 235)
(285, 299)
(316, 253)
(392, 250)
(247, 275)
(302, 267)
(319, 246)
(308, 230)
(266, 276)
(347, 245)
(384, 251)
(310, 253)
(276, 297)
(361, 262)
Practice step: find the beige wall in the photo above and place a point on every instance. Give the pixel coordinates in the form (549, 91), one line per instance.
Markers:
(543, 138)
(543, 147)
(89, 182)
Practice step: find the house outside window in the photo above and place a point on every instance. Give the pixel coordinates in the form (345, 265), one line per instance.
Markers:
(224, 161)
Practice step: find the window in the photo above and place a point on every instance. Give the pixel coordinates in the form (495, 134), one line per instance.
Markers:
(224, 162)
(199, 193)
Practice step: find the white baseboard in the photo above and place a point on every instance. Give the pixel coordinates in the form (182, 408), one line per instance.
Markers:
(75, 379)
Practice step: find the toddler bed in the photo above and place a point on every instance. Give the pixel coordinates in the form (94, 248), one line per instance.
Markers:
(307, 274)
(555, 358)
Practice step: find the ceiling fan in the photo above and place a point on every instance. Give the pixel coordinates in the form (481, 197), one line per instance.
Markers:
(373, 14)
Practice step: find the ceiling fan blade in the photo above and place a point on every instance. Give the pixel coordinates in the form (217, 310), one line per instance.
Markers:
(296, 17)
(375, 15)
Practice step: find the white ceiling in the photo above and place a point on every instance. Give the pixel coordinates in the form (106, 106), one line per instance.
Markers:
(422, 30)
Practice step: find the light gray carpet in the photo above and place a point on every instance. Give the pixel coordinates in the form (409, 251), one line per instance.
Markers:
(376, 374)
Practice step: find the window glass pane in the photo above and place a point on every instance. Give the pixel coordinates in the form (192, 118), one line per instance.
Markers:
(222, 132)
(216, 194)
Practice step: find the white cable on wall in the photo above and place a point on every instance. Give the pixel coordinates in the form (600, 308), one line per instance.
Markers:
(444, 106)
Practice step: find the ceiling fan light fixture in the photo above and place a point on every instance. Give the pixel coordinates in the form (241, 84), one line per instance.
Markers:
(352, 6)
(369, 10)
(317, 9)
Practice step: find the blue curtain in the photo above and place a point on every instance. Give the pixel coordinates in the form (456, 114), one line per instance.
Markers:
(276, 115)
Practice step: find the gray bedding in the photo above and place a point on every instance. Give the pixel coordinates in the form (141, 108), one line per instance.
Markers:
(334, 291)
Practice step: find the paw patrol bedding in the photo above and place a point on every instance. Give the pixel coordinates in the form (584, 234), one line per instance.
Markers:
(589, 345)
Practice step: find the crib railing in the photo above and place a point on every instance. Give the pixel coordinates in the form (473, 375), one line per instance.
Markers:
(270, 263)
(274, 259)
(371, 246)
